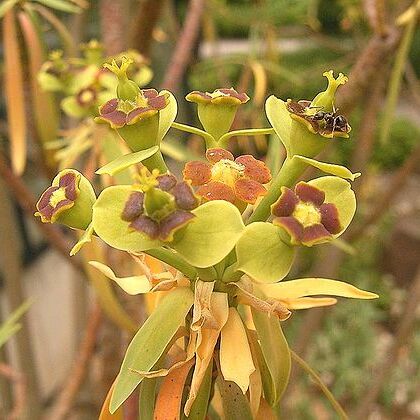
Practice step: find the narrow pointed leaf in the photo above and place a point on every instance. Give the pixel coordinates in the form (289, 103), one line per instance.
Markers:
(329, 168)
(132, 285)
(105, 414)
(44, 107)
(62, 5)
(200, 405)
(169, 399)
(314, 286)
(125, 161)
(150, 342)
(276, 354)
(104, 290)
(10, 326)
(236, 366)
(147, 397)
(60, 28)
(14, 92)
(235, 403)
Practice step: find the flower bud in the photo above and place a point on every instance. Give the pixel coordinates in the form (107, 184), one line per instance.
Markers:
(69, 200)
(127, 90)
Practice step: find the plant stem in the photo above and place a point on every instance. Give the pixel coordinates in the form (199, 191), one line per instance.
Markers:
(209, 139)
(336, 405)
(223, 141)
(173, 260)
(156, 162)
(288, 174)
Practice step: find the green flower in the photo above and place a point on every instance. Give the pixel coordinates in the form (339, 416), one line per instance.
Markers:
(315, 212)
(160, 206)
(135, 112)
(69, 200)
(217, 110)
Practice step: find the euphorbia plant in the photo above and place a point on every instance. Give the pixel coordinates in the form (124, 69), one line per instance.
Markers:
(225, 235)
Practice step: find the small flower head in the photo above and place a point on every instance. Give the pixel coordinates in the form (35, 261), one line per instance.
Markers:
(217, 110)
(93, 52)
(305, 215)
(160, 205)
(320, 115)
(69, 200)
(223, 177)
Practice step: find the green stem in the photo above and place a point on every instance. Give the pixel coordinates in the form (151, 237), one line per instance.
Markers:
(223, 141)
(209, 139)
(231, 274)
(336, 405)
(207, 274)
(156, 162)
(172, 259)
(288, 174)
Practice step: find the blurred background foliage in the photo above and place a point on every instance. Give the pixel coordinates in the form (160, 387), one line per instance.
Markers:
(282, 47)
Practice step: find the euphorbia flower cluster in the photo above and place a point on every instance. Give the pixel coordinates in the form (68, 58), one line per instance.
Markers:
(229, 233)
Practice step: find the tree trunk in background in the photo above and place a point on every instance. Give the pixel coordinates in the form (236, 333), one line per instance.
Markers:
(143, 25)
(13, 290)
(113, 25)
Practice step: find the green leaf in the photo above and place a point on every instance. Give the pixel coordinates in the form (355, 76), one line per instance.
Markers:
(201, 403)
(235, 403)
(262, 243)
(329, 168)
(124, 162)
(209, 237)
(339, 192)
(11, 326)
(113, 230)
(6, 6)
(276, 355)
(167, 115)
(62, 5)
(147, 398)
(150, 342)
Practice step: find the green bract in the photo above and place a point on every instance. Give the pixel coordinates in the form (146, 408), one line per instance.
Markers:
(263, 254)
(211, 235)
(275, 354)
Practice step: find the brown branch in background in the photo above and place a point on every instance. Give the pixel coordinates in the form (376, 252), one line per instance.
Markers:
(185, 45)
(19, 390)
(383, 203)
(79, 369)
(14, 296)
(384, 368)
(113, 25)
(143, 25)
(368, 125)
(375, 12)
(27, 202)
(375, 56)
